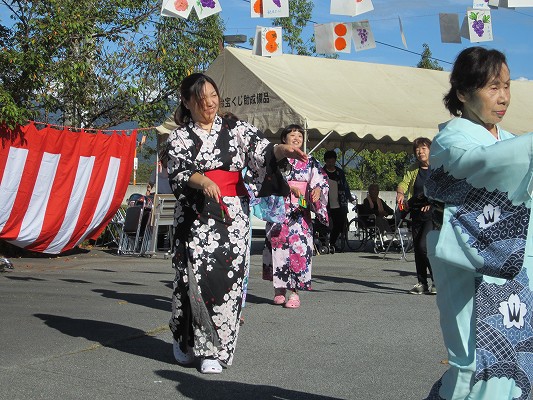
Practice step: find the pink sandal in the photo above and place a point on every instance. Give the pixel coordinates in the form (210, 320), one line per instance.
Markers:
(279, 297)
(293, 302)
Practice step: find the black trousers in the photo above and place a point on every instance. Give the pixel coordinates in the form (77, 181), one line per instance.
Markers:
(337, 222)
(420, 228)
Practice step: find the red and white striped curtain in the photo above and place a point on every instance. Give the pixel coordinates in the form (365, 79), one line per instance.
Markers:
(58, 187)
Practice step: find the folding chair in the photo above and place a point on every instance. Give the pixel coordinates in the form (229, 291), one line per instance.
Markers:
(114, 228)
(402, 239)
(162, 216)
(133, 229)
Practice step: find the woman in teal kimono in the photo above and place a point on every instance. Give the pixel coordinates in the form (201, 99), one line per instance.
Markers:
(481, 183)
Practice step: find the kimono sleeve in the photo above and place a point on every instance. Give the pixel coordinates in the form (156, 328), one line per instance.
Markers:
(504, 165)
(319, 179)
(485, 186)
(181, 164)
(263, 175)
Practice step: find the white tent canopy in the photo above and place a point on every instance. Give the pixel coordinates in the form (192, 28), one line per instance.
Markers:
(365, 105)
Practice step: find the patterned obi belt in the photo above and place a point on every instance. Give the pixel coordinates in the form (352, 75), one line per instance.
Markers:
(229, 182)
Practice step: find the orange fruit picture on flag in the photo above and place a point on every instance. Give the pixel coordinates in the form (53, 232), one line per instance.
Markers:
(271, 41)
(340, 42)
(258, 6)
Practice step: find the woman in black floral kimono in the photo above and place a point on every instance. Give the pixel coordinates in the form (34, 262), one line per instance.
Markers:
(206, 156)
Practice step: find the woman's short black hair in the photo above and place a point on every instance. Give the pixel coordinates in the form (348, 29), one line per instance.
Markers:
(191, 86)
(288, 129)
(421, 141)
(473, 68)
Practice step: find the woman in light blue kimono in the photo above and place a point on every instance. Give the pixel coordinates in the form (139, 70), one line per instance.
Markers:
(481, 181)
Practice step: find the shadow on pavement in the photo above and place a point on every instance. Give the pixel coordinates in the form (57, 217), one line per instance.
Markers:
(401, 273)
(196, 388)
(146, 300)
(21, 278)
(371, 285)
(120, 337)
(250, 298)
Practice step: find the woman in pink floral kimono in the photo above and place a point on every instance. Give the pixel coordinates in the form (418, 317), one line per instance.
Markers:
(289, 245)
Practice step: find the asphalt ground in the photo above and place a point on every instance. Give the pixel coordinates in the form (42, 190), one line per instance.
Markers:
(94, 325)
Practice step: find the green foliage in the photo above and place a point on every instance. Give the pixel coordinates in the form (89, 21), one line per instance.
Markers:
(98, 63)
(426, 61)
(144, 170)
(385, 169)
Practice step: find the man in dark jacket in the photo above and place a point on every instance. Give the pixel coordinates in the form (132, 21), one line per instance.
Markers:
(339, 197)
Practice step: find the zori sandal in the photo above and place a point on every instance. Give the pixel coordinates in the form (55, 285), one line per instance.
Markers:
(293, 301)
(279, 296)
(210, 366)
(181, 357)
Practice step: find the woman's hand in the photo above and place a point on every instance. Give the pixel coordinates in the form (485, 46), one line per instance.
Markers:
(295, 191)
(206, 185)
(399, 197)
(210, 188)
(315, 194)
(282, 151)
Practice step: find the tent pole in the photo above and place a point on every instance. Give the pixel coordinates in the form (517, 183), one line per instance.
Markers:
(305, 136)
(322, 141)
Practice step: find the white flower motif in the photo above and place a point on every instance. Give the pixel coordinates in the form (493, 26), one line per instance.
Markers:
(489, 217)
(513, 311)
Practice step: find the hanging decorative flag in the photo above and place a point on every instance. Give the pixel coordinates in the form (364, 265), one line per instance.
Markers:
(464, 32)
(268, 41)
(480, 4)
(479, 25)
(342, 37)
(256, 8)
(324, 38)
(520, 3)
(333, 37)
(362, 36)
(449, 28)
(176, 8)
(275, 8)
(401, 33)
(182, 8)
(350, 7)
(58, 188)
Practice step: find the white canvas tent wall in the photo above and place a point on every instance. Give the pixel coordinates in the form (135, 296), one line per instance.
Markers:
(366, 105)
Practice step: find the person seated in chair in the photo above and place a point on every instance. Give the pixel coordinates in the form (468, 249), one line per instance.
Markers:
(373, 205)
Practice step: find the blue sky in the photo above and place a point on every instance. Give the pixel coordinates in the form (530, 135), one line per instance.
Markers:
(420, 20)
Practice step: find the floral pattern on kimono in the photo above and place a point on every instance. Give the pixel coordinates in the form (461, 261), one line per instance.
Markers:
(480, 261)
(212, 245)
(287, 256)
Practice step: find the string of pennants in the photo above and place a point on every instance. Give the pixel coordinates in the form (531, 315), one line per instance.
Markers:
(337, 37)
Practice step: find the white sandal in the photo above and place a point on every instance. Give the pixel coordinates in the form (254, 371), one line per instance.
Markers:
(210, 366)
(181, 357)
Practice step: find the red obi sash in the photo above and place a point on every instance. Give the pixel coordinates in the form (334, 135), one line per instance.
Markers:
(229, 182)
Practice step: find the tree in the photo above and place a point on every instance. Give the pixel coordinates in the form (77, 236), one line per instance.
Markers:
(299, 15)
(428, 62)
(98, 63)
(385, 169)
